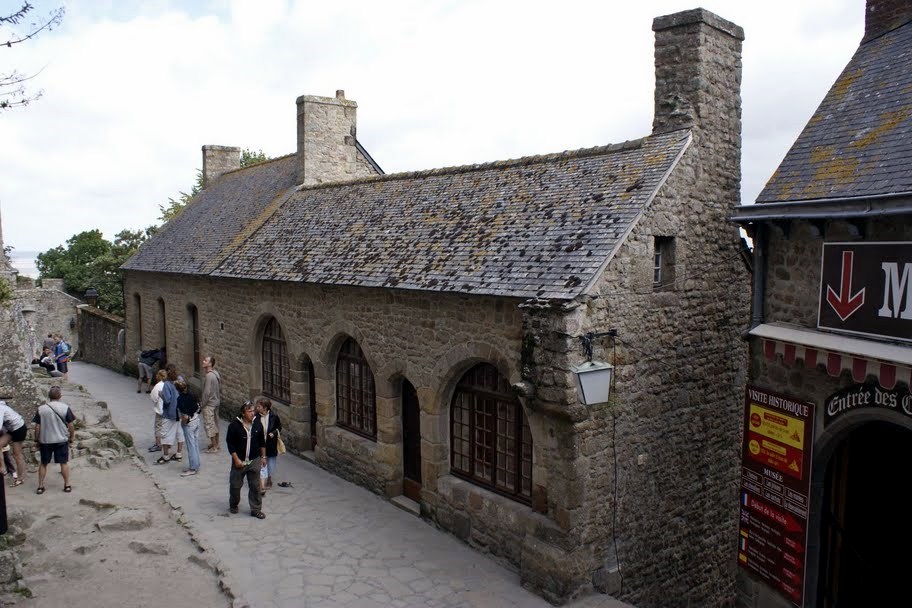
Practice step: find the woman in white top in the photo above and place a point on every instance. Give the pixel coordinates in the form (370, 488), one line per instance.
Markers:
(155, 396)
(12, 430)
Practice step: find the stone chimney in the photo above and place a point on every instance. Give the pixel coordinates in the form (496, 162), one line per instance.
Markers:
(326, 139)
(698, 71)
(218, 160)
(882, 16)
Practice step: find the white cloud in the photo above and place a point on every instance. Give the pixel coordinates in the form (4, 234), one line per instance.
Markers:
(134, 89)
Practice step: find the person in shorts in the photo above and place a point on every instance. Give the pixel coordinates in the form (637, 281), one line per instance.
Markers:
(55, 430)
(13, 430)
(144, 375)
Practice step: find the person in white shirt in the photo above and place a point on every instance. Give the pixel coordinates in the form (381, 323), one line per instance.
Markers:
(156, 397)
(12, 431)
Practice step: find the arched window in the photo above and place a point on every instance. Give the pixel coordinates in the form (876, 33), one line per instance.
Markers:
(137, 315)
(193, 318)
(162, 325)
(356, 401)
(275, 362)
(490, 442)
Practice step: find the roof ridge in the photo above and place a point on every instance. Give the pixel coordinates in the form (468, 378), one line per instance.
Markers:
(260, 163)
(631, 144)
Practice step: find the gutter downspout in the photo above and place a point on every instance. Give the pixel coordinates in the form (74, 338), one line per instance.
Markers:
(759, 295)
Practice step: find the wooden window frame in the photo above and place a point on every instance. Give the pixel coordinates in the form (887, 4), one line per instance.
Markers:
(356, 395)
(663, 263)
(276, 374)
(500, 445)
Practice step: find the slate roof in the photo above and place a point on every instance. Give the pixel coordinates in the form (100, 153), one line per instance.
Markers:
(210, 228)
(859, 142)
(540, 226)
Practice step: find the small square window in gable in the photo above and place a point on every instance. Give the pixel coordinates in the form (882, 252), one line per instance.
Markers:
(663, 263)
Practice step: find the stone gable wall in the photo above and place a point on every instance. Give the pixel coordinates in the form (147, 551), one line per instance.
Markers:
(663, 519)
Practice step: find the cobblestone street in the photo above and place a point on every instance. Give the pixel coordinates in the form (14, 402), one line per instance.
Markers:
(325, 542)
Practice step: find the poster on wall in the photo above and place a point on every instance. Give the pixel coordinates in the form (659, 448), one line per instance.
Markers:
(775, 490)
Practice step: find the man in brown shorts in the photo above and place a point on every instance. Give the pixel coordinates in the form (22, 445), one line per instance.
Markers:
(209, 403)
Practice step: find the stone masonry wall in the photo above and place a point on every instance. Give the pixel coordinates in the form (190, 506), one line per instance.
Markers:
(792, 295)
(429, 339)
(100, 338)
(17, 384)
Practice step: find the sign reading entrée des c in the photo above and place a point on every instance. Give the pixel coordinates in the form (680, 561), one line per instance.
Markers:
(866, 289)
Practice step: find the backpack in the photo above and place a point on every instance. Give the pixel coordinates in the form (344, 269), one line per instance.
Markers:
(65, 346)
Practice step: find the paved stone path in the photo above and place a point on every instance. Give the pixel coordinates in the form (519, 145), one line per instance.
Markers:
(325, 542)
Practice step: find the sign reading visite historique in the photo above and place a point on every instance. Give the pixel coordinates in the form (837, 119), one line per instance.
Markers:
(775, 489)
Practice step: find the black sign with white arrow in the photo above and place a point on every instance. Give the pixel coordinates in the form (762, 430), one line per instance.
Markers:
(866, 289)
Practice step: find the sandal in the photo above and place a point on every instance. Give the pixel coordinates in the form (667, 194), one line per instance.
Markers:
(178, 457)
(162, 460)
(18, 482)
(258, 514)
(39, 491)
(67, 489)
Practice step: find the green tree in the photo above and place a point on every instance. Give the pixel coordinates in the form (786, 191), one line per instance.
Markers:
(90, 260)
(13, 90)
(174, 206)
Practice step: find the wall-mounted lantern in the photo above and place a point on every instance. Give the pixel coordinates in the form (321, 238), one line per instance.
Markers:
(91, 296)
(593, 378)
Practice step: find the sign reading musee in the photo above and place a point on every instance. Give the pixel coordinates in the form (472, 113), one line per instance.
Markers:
(775, 489)
(866, 288)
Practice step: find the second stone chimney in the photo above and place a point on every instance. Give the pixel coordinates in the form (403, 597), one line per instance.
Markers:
(218, 160)
(882, 16)
(326, 139)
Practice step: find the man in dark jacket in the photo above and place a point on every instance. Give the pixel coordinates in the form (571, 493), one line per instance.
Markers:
(247, 447)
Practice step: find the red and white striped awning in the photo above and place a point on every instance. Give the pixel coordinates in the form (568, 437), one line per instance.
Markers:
(889, 363)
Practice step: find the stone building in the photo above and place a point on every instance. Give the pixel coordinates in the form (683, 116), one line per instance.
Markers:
(831, 343)
(418, 331)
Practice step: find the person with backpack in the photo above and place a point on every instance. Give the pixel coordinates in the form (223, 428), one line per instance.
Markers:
(147, 360)
(62, 355)
(55, 432)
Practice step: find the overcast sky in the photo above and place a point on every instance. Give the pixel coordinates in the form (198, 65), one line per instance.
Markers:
(134, 88)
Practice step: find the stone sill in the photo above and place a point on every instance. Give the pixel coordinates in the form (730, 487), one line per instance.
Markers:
(448, 485)
(339, 438)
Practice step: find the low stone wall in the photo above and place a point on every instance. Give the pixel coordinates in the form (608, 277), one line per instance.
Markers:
(100, 337)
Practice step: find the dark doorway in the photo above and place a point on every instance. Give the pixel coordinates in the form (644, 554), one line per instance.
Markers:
(864, 533)
(411, 442)
(312, 397)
